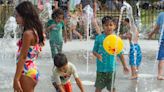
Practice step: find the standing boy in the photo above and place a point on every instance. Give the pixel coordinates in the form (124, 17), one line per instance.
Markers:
(106, 64)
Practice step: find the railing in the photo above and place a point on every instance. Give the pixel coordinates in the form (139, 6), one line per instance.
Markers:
(149, 12)
(149, 9)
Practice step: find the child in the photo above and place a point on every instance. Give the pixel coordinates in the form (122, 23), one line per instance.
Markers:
(62, 73)
(135, 55)
(160, 27)
(106, 64)
(55, 27)
(29, 46)
(74, 18)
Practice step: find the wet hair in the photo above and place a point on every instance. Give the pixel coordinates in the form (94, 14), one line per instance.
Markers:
(60, 60)
(53, 7)
(57, 13)
(107, 19)
(126, 19)
(31, 18)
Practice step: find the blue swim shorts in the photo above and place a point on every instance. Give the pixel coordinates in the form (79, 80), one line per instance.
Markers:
(135, 55)
(161, 51)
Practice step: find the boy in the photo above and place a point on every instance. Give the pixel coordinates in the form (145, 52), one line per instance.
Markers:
(160, 27)
(55, 27)
(135, 54)
(106, 64)
(62, 73)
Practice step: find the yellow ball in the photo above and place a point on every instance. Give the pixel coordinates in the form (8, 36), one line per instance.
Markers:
(112, 44)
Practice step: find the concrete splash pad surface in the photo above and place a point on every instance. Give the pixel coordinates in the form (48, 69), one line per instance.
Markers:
(76, 53)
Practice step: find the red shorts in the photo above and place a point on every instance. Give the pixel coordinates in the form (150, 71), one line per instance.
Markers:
(68, 87)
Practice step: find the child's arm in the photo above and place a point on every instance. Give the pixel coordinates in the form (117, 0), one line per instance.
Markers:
(96, 48)
(58, 87)
(126, 70)
(97, 55)
(129, 36)
(77, 79)
(65, 33)
(61, 88)
(65, 36)
(50, 27)
(94, 8)
(96, 26)
(56, 81)
(79, 83)
(56, 4)
(154, 31)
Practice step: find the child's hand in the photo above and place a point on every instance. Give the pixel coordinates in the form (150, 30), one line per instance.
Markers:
(52, 26)
(129, 36)
(17, 86)
(65, 40)
(126, 70)
(99, 57)
(94, 21)
(149, 36)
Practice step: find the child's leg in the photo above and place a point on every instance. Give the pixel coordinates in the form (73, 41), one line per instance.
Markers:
(138, 57)
(53, 49)
(161, 61)
(100, 81)
(110, 82)
(68, 87)
(59, 47)
(132, 62)
(78, 34)
(98, 90)
(134, 72)
(160, 70)
(70, 34)
(114, 90)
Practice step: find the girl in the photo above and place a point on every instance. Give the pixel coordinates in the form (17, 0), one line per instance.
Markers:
(27, 74)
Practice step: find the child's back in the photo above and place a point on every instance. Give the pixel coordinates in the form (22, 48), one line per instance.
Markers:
(135, 34)
(62, 73)
(64, 77)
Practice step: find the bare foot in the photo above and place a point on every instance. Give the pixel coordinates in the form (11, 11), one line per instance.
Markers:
(134, 78)
(114, 90)
(160, 78)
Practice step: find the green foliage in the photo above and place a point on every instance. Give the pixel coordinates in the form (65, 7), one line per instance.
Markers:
(5, 12)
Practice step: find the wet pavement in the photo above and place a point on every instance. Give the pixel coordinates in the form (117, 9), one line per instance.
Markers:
(76, 52)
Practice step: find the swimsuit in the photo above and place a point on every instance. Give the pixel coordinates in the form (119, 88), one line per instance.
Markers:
(135, 56)
(30, 68)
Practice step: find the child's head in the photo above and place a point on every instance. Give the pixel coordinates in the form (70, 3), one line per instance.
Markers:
(126, 21)
(60, 61)
(27, 16)
(79, 8)
(58, 15)
(108, 24)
